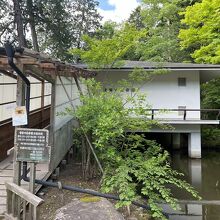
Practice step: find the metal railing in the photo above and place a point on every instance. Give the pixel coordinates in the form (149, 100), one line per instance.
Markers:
(185, 111)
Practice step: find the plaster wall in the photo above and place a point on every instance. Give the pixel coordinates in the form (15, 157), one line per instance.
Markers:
(163, 91)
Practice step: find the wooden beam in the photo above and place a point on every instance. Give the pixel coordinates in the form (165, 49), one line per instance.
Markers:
(33, 61)
(39, 73)
(9, 74)
(48, 66)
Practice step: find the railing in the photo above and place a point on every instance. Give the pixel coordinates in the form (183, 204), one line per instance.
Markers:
(18, 200)
(185, 111)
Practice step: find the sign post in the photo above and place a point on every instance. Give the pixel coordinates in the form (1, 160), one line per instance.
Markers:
(31, 145)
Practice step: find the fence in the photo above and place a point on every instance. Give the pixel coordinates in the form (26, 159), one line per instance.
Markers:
(18, 199)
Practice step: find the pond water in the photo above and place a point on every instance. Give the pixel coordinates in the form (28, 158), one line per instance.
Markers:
(204, 175)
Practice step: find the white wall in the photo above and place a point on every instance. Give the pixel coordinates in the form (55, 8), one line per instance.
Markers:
(7, 94)
(163, 91)
(62, 101)
(8, 88)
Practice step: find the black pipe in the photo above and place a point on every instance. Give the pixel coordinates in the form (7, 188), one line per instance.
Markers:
(10, 52)
(84, 191)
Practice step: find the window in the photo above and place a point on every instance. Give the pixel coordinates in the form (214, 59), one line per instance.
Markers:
(181, 113)
(182, 81)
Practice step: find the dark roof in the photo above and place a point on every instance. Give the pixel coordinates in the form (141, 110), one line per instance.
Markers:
(153, 65)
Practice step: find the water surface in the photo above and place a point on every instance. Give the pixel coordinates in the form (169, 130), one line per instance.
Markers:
(204, 175)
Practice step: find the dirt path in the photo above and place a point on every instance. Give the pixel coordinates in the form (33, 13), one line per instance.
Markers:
(55, 198)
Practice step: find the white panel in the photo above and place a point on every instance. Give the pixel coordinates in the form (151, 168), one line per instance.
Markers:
(35, 104)
(35, 90)
(63, 102)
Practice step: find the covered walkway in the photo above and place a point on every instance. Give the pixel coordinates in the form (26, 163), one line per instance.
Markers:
(64, 81)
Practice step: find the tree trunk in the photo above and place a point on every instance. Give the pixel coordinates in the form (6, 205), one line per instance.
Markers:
(19, 23)
(83, 158)
(32, 25)
(88, 163)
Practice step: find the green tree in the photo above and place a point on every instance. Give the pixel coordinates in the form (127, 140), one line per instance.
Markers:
(55, 32)
(86, 19)
(201, 32)
(210, 96)
(109, 51)
(134, 167)
(161, 20)
(201, 36)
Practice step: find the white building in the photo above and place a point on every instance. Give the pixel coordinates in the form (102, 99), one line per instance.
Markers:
(178, 92)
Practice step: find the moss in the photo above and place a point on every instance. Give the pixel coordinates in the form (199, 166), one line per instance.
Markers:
(90, 199)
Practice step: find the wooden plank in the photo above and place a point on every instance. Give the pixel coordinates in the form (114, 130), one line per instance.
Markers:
(2, 209)
(24, 194)
(30, 60)
(6, 163)
(3, 192)
(2, 187)
(6, 173)
(39, 73)
(3, 200)
(10, 217)
(9, 202)
(4, 179)
(24, 209)
(32, 177)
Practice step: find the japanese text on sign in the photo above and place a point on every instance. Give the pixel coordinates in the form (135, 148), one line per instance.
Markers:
(32, 145)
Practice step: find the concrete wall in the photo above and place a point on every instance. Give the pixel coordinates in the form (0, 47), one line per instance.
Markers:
(163, 91)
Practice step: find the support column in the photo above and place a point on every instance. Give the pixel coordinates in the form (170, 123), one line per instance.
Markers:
(194, 145)
(195, 173)
(176, 141)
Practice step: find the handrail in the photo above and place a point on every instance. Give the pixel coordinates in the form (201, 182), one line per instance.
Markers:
(167, 109)
(184, 111)
(17, 200)
(24, 194)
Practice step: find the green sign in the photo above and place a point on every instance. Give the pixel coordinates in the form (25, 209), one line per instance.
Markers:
(32, 145)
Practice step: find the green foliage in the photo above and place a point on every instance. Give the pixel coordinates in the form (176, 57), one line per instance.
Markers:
(211, 136)
(161, 20)
(59, 24)
(210, 96)
(201, 31)
(107, 52)
(134, 167)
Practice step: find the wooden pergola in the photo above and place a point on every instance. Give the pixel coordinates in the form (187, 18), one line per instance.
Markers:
(41, 66)
(45, 69)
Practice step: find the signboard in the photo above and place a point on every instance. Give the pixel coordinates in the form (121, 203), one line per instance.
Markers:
(32, 145)
(19, 116)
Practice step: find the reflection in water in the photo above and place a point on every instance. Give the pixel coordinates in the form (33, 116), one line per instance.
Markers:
(204, 175)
